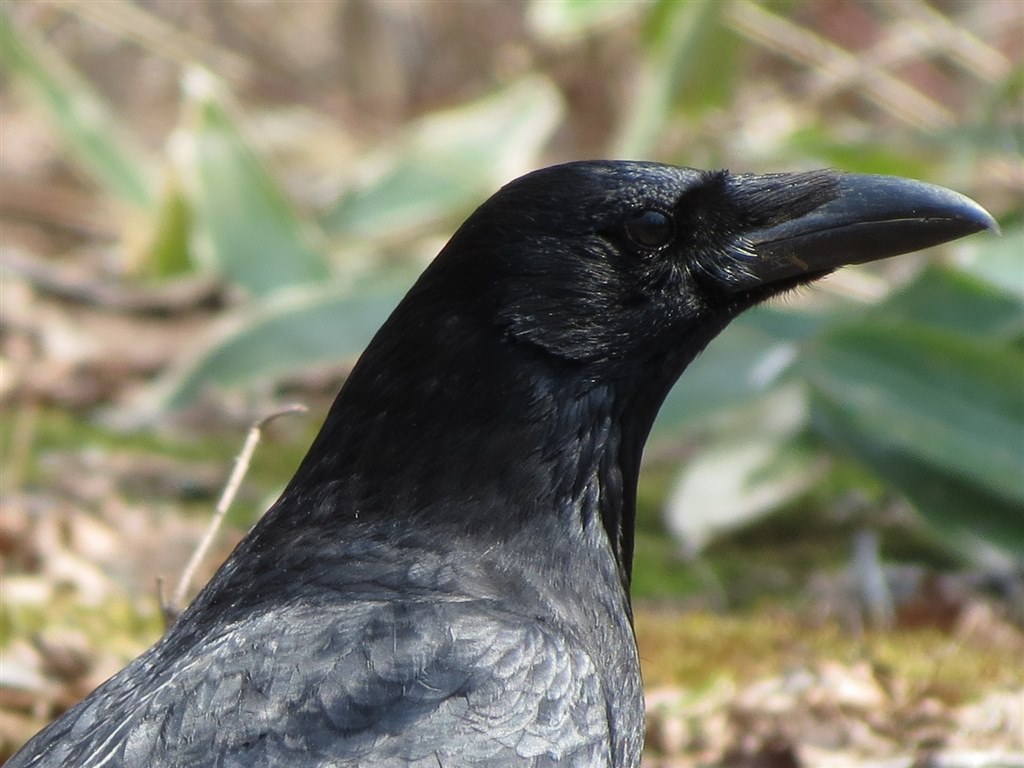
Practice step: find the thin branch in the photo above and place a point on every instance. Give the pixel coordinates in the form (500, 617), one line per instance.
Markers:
(957, 41)
(831, 63)
(182, 295)
(156, 35)
(171, 610)
(917, 33)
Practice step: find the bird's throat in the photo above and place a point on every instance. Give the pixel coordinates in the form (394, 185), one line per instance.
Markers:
(487, 452)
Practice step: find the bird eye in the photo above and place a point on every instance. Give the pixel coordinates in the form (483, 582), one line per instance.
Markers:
(650, 228)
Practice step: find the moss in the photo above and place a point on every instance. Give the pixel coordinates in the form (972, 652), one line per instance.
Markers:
(693, 650)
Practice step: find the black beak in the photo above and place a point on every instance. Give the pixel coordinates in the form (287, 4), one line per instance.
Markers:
(870, 218)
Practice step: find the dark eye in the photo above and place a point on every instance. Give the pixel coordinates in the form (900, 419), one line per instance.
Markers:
(650, 228)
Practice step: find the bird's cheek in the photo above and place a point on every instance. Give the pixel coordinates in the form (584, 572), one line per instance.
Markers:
(670, 291)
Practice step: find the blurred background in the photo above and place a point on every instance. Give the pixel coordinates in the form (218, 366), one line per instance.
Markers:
(209, 206)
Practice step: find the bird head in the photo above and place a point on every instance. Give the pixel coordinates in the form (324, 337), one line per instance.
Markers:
(611, 265)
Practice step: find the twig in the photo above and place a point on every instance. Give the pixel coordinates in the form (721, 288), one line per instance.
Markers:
(156, 35)
(173, 297)
(919, 32)
(831, 63)
(171, 610)
(956, 40)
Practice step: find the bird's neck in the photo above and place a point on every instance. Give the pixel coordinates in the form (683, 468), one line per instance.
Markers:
(497, 443)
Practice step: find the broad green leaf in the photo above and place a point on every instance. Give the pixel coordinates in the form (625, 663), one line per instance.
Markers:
(450, 161)
(245, 227)
(566, 19)
(297, 328)
(998, 261)
(961, 512)
(409, 196)
(737, 479)
(946, 298)
(90, 133)
(947, 401)
(751, 357)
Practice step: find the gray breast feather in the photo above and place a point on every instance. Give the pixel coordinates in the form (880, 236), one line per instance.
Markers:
(386, 684)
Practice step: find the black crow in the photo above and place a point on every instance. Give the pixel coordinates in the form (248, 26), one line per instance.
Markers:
(445, 581)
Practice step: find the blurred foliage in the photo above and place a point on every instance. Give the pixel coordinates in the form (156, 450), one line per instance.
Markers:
(90, 132)
(451, 161)
(915, 375)
(242, 222)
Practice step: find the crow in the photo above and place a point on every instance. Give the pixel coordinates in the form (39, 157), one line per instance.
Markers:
(445, 580)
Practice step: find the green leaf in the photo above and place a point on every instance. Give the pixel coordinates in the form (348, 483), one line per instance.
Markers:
(951, 402)
(998, 261)
(740, 477)
(409, 196)
(169, 251)
(87, 128)
(941, 297)
(245, 227)
(449, 161)
(297, 328)
(690, 61)
(962, 513)
(855, 156)
(751, 357)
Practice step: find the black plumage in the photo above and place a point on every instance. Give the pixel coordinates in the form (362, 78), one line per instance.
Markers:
(445, 580)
